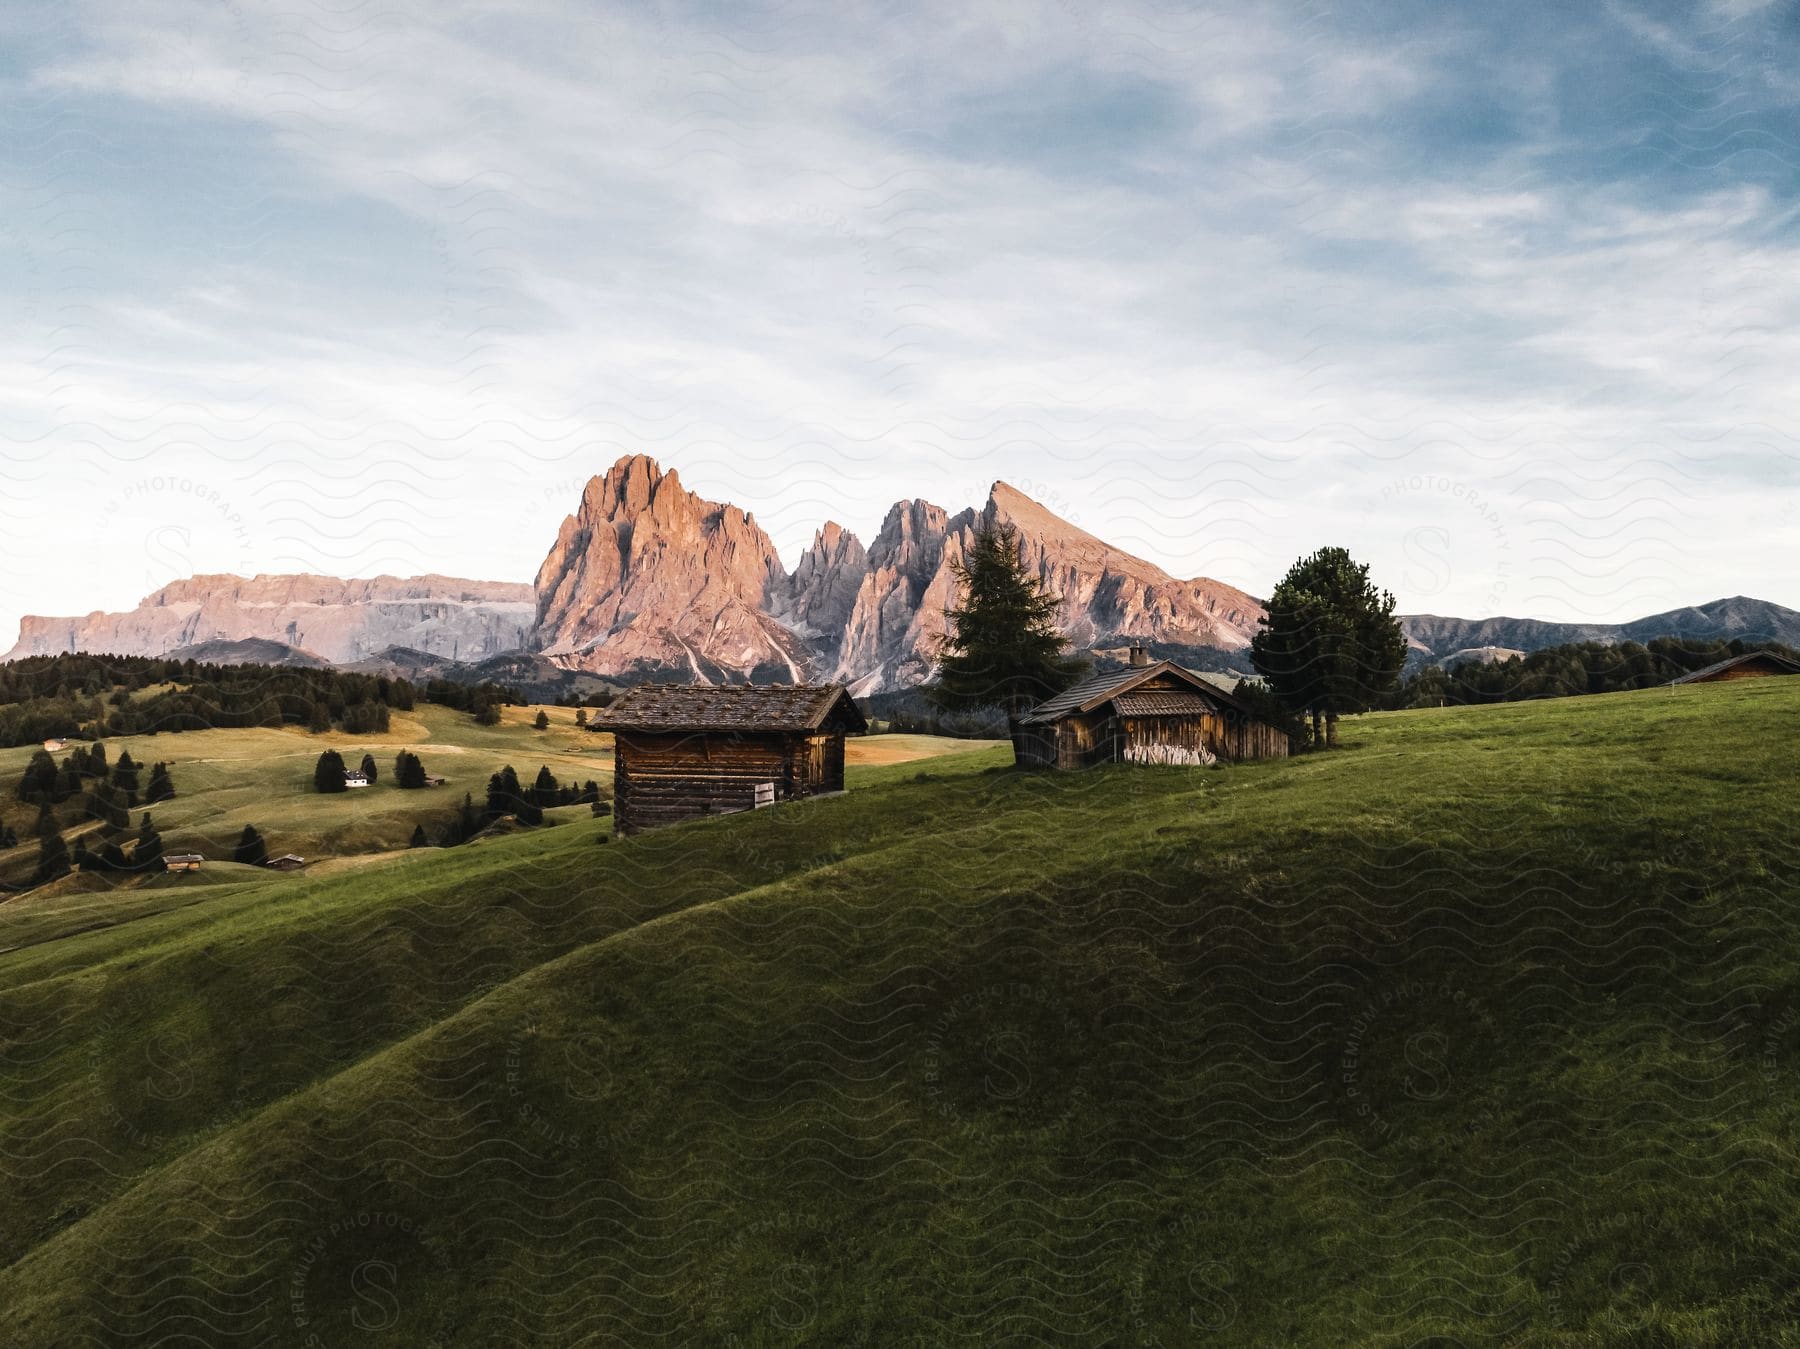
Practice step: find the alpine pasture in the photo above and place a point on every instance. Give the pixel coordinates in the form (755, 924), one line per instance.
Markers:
(1485, 1027)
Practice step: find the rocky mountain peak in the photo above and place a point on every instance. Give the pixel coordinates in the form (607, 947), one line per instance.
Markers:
(658, 579)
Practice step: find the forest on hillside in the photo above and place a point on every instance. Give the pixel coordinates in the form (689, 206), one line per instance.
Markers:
(80, 696)
(1569, 670)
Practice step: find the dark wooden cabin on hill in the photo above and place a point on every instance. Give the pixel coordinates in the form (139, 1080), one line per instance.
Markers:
(1146, 713)
(1750, 665)
(681, 752)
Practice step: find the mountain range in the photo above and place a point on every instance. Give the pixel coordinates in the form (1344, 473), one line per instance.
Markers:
(647, 580)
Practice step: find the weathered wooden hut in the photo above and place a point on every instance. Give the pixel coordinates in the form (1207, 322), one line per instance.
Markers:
(681, 751)
(1147, 713)
(1750, 665)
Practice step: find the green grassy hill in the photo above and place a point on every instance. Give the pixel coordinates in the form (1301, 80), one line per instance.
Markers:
(264, 777)
(1485, 1028)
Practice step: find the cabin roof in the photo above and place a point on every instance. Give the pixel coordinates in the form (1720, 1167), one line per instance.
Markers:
(1162, 703)
(729, 707)
(1096, 689)
(184, 857)
(1792, 667)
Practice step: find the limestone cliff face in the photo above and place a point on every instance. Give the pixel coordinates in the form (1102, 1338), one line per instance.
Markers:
(1105, 594)
(339, 620)
(897, 620)
(822, 591)
(646, 579)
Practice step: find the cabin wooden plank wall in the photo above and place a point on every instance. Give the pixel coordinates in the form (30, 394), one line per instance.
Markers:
(664, 778)
(1080, 742)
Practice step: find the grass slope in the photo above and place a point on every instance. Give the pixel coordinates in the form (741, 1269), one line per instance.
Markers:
(264, 777)
(1487, 1027)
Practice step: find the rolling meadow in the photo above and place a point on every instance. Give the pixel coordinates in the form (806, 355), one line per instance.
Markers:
(1485, 1027)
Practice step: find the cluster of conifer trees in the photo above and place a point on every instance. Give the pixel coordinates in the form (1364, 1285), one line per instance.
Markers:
(507, 796)
(1569, 670)
(91, 697)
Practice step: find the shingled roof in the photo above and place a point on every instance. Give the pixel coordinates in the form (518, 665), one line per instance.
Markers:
(729, 707)
(1101, 688)
(1792, 667)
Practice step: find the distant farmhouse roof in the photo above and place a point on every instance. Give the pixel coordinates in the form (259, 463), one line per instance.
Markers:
(730, 707)
(1099, 688)
(1781, 663)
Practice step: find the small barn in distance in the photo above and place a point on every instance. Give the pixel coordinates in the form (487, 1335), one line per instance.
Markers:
(183, 861)
(1147, 713)
(686, 751)
(1750, 665)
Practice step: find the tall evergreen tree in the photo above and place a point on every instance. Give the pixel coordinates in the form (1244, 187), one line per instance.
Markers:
(53, 859)
(250, 849)
(1003, 647)
(104, 804)
(1329, 643)
(125, 777)
(544, 790)
(318, 719)
(161, 788)
(147, 852)
(39, 780)
(328, 772)
(409, 770)
(418, 837)
(542, 720)
(368, 768)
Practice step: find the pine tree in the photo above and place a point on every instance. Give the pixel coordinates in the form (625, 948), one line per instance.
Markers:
(39, 779)
(1329, 643)
(250, 849)
(368, 768)
(543, 791)
(147, 853)
(125, 777)
(318, 720)
(487, 714)
(161, 788)
(1003, 647)
(418, 837)
(542, 720)
(53, 859)
(104, 804)
(328, 773)
(581, 717)
(468, 819)
(409, 771)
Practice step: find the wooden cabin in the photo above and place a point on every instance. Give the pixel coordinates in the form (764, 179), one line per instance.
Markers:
(183, 861)
(686, 751)
(1149, 712)
(286, 862)
(56, 745)
(1750, 665)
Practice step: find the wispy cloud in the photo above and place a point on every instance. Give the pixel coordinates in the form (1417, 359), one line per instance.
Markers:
(1219, 281)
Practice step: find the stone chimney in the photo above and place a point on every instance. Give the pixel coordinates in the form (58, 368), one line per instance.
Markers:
(1140, 655)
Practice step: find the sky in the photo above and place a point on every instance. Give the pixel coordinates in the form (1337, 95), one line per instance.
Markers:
(1505, 298)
